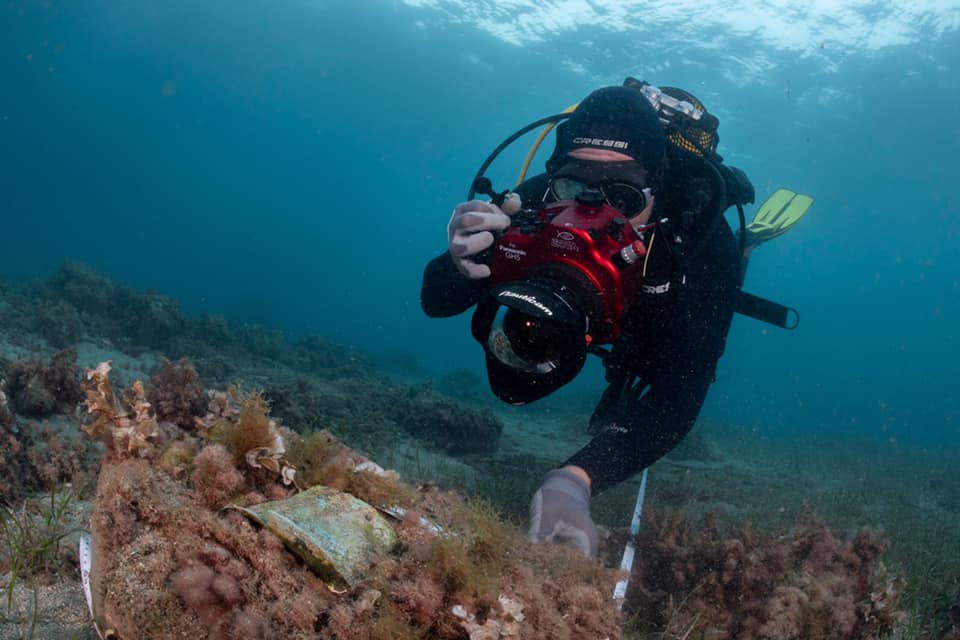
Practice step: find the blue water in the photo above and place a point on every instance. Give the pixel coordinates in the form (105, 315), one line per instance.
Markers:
(294, 164)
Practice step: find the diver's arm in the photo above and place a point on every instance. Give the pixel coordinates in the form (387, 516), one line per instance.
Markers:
(447, 292)
(648, 427)
(645, 432)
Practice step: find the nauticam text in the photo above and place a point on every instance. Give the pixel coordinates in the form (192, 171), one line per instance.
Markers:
(528, 299)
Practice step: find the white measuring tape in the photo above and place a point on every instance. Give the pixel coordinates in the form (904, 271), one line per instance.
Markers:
(626, 563)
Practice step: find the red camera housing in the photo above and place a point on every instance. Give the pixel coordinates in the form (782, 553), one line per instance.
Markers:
(591, 249)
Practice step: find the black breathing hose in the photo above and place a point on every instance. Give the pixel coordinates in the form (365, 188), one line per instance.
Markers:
(503, 145)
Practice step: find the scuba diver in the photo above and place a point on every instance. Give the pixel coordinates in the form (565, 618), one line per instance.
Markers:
(621, 242)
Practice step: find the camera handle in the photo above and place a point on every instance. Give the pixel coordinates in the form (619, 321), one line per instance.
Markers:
(484, 186)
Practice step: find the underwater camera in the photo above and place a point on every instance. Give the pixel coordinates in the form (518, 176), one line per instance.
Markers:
(561, 277)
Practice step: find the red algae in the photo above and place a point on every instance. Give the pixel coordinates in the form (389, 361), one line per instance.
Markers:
(169, 562)
(739, 583)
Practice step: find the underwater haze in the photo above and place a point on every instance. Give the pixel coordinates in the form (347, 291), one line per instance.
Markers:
(294, 163)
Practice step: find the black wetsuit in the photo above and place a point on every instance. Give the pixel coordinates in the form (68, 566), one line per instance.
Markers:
(660, 368)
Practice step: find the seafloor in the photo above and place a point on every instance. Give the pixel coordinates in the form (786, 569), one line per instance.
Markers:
(744, 536)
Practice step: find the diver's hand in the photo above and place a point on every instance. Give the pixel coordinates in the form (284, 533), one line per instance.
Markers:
(560, 511)
(469, 233)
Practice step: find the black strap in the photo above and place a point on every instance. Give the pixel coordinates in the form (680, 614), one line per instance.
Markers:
(767, 311)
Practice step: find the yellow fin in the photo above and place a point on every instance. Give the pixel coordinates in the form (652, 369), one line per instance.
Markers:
(777, 215)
